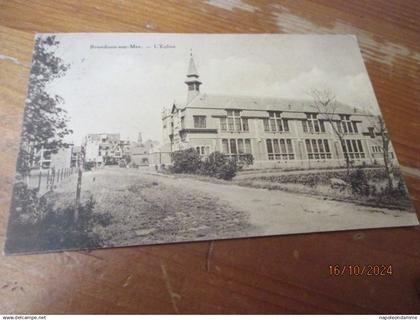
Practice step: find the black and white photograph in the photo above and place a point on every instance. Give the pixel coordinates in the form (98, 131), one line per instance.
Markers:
(138, 139)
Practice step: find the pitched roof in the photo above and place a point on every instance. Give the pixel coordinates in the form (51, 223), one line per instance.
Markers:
(262, 104)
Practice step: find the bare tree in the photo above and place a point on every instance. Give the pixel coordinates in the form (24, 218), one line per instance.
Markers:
(325, 104)
(379, 129)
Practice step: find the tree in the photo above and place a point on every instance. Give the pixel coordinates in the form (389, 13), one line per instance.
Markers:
(379, 129)
(44, 123)
(325, 104)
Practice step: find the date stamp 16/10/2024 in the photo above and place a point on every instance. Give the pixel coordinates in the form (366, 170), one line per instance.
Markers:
(378, 270)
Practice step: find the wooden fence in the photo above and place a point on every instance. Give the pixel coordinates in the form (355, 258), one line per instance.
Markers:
(45, 179)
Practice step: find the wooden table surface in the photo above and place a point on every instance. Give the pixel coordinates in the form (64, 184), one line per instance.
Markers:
(284, 274)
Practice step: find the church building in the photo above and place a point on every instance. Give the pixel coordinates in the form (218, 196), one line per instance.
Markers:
(279, 133)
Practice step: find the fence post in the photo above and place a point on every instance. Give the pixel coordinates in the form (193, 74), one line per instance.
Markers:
(52, 178)
(39, 180)
(78, 188)
(48, 179)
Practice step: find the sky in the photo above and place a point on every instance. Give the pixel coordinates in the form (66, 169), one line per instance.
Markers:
(113, 88)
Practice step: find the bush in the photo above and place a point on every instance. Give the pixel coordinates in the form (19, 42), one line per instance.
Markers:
(228, 170)
(215, 165)
(245, 160)
(220, 166)
(359, 182)
(89, 165)
(27, 207)
(186, 161)
(133, 165)
(213, 162)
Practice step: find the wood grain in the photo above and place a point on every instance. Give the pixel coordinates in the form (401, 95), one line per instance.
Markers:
(285, 274)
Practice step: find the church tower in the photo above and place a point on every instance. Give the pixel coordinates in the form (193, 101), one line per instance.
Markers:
(193, 81)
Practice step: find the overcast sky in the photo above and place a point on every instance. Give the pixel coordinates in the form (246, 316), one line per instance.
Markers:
(124, 90)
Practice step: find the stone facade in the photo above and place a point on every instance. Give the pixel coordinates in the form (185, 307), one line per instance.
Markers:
(277, 132)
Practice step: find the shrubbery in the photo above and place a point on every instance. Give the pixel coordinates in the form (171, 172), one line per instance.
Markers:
(220, 166)
(36, 224)
(216, 165)
(88, 165)
(323, 177)
(186, 161)
(359, 183)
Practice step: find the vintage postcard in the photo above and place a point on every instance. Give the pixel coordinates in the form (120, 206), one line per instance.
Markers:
(133, 139)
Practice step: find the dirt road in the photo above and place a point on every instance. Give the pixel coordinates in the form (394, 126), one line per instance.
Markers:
(146, 207)
(279, 212)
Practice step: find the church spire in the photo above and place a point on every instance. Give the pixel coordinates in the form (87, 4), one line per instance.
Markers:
(193, 80)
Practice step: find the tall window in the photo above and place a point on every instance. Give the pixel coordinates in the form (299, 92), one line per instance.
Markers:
(280, 149)
(312, 124)
(354, 149)
(199, 121)
(245, 126)
(225, 146)
(318, 149)
(234, 122)
(275, 123)
(235, 147)
(346, 125)
(223, 125)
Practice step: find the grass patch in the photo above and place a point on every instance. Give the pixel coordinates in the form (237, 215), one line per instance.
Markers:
(38, 224)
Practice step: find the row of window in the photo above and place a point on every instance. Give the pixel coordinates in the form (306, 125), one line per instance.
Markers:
(276, 125)
(236, 146)
(280, 149)
(353, 148)
(379, 149)
(346, 125)
(312, 124)
(376, 149)
(235, 123)
(318, 149)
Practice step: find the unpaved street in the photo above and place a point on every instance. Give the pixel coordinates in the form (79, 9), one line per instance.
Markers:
(147, 208)
(279, 212)
(140, 206)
